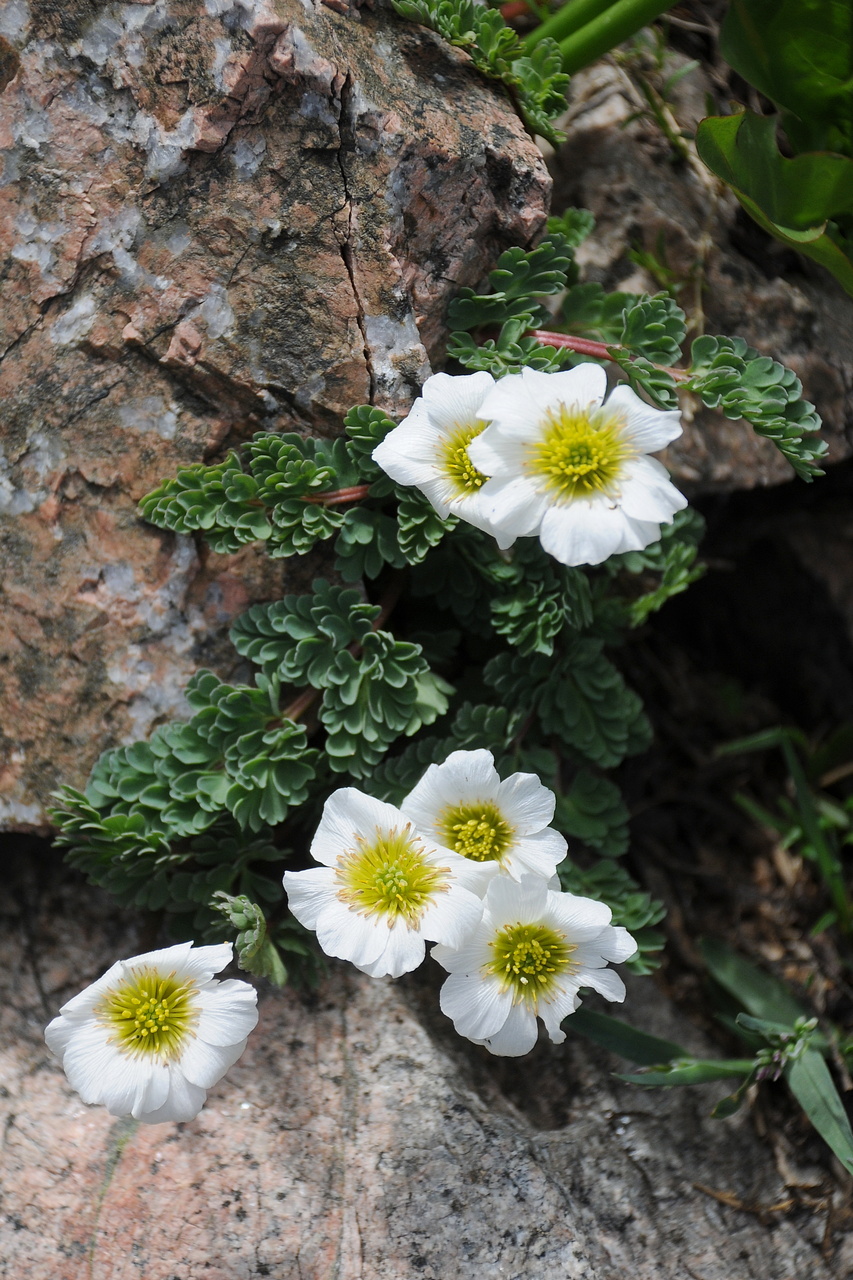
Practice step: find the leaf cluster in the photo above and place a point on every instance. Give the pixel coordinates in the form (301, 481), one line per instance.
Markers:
(729, 375)
(291, 492)
(535, 81)
(373, 687)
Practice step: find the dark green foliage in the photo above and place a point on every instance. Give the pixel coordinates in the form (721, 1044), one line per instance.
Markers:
(272, 500)
(729, 375)
(540, 598)
(374, 687)
(593, 811)
(237, 755)
(672, 561)
(366, 427)
(654, 328)
(580, 699)
(588, 312)
(536, 81)
(519, 278)
(632, 908)
(510, 352)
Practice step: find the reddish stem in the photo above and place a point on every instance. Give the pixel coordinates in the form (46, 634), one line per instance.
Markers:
(337, 497)
(599, 350)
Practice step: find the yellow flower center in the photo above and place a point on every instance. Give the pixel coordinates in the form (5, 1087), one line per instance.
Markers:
(150, 1014)
(476, 831)
(528, 958)
(581, 452)
(390, 877)
(456, 463)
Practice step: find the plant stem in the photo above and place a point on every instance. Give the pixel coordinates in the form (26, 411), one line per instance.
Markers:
(337, 497)
(598, 350)
(617, 24)
(569, 18)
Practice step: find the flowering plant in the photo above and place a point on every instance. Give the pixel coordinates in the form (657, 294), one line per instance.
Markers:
(434, 728)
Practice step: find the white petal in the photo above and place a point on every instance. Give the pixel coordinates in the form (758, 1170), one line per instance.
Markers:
(646, 495)
(605, 981)
(203, 1064)
(471, 955)
(184, 1102)
(584, 386)
(581, 919)
(478, 1007)
(201, 963)
(100, 1072)
(637, 534)
(404, 950)
(451, 916)
(511, 405)
(527, 805)
(464, 777)
(81, 1006)
(227, 1011)
(57, 1034)
(649, 429)
(455, 401)
(349, 813)
(535, 855)
(552, 1011)
(308, 892)
(508, 902)
(347, 935)
(616, 944)
(518, 1035)
(581, 532)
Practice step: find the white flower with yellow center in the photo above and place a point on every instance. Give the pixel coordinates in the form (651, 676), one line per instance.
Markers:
(527, 958)
(383, 889)
(151, 1036)
(572, 467)
(498, 826)
(429, 449)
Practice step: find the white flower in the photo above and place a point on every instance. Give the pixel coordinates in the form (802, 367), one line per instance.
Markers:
(429, 449)
(574, 468)
(151, 1036)
(527, 957)
(499, 826)
(383, 888)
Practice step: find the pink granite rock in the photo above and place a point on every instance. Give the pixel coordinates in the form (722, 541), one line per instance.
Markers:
(359, 1138)
(215, 216)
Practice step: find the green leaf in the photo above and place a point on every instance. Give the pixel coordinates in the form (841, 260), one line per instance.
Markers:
(693, 1071)
(793, 199)
(621, 1038)
(798, 53)
(594, 812)
(759, 993)
(798, 195)
(811, 1084)
(654, 328)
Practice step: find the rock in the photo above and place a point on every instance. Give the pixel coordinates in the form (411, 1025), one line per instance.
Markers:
(730, 274)
(216, 216)
(359, 1138)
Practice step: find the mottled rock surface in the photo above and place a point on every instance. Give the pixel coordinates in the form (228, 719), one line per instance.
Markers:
(215, 216)
(730, 276)
(359, 1139)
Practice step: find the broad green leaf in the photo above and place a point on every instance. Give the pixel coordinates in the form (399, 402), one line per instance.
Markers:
(799, 53)
(811, 1084)
(627, 1041)
(790, 199)
(761, 995)
(798, 195)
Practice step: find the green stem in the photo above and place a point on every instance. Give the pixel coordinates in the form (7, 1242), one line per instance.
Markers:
(613, 27)
(568, 19)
